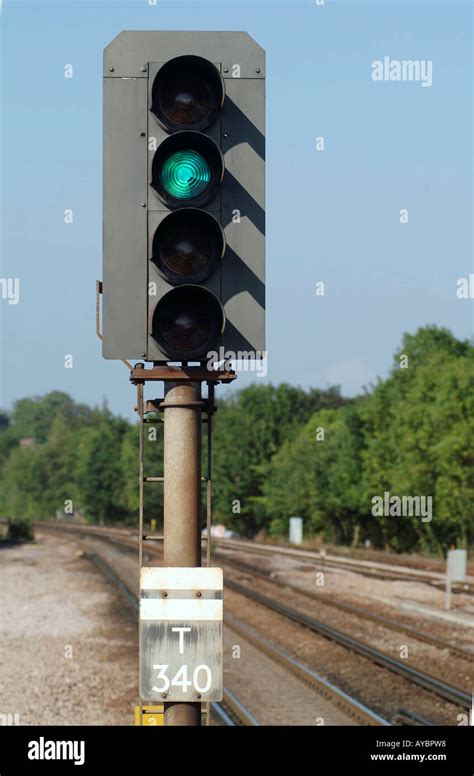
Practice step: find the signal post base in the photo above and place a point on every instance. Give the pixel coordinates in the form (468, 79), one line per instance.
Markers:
(182, 407)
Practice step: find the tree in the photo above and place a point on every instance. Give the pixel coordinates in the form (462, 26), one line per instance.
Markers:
(99, 473)
(58, 459)
(419, 430)
(21, 484)
(249, 430)
(317, 476)
(32, 417)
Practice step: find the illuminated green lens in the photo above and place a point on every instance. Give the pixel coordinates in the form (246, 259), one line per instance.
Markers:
(185, 174)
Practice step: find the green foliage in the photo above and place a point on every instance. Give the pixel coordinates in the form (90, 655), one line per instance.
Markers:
(48, 450)
(249, 430)
(317, 475)
(419, 427)
(98, 471)
(32, 417)
(22, 476)
(412, 436)
(278, 451)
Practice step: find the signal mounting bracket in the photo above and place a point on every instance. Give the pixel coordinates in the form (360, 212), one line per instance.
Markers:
(166, 373)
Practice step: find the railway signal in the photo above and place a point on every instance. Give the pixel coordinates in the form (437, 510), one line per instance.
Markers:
(184, 219)
(183, 281)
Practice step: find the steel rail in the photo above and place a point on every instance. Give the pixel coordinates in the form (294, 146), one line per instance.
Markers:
(221, 714)
(385, 622)
(322, 686)
(431, 683)
(237, 710)
(405, 717)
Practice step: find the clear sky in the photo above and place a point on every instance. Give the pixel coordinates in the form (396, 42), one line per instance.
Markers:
(333, 216)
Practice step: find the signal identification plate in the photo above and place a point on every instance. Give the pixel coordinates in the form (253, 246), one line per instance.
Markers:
(181, 611)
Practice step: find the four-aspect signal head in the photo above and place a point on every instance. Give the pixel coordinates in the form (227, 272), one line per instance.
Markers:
(184, 218)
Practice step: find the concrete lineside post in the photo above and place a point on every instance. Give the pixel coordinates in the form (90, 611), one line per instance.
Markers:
(182, 500)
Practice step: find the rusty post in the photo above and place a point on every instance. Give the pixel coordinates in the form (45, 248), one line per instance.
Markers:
(182, 499)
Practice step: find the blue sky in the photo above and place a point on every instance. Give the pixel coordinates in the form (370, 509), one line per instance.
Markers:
(332, 216)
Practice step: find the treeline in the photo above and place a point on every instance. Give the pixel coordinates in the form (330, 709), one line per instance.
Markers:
(278, 451)
(58, 456)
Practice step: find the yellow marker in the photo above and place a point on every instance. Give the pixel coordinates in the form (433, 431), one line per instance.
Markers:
(153, 524)
(151, 715)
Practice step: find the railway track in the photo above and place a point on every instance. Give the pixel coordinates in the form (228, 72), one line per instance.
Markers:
(327, 600)
(432, 684)
(232, 711)
(349, 608)
(360, 713)
(372, 569)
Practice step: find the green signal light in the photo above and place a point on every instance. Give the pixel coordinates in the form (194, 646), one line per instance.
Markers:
(185, 174)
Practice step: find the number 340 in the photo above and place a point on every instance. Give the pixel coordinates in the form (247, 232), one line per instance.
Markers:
(180, 679)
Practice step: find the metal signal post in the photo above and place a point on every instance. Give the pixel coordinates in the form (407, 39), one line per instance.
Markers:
(183, 409)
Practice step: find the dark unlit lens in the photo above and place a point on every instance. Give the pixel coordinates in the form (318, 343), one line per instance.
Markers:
(188, 245)
(187, 322)
(187, 93)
